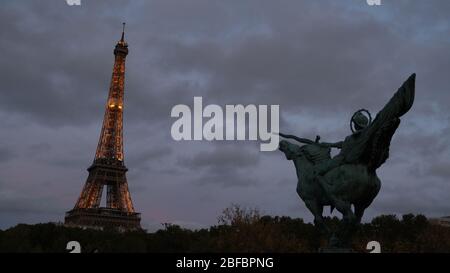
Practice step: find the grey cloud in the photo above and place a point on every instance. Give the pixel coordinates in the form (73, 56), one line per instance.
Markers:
(222, 158)
(440, 169)
(6, 154)
(150, 154)
(228, 179)
(12, 201)
(319, 60)
(226, 165)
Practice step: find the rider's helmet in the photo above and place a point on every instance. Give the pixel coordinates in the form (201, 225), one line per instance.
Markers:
(360, 121)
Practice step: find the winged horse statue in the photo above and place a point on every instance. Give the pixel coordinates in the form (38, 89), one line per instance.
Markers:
(349, 178)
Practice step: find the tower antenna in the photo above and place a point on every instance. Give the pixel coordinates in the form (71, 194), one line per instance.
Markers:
(123, 32)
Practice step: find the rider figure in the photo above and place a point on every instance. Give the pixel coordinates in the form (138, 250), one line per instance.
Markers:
(359, 122)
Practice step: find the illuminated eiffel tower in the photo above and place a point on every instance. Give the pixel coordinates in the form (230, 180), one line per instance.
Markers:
(108, 168)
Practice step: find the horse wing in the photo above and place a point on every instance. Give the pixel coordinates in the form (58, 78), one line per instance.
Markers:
(377, 150)
(397, 106)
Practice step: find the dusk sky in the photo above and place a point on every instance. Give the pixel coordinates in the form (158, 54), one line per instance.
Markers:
(320, 60)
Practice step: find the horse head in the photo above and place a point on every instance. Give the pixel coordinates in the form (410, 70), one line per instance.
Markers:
(290, 150)
(306, 155)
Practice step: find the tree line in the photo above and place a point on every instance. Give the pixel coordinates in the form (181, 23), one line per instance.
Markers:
(238, 230)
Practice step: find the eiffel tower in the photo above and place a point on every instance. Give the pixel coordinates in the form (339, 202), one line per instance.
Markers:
(108, 168)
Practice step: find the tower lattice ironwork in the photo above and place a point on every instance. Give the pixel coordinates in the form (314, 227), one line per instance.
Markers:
(108, 168)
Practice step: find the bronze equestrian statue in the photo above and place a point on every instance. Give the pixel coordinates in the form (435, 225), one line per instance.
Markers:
(349, 178)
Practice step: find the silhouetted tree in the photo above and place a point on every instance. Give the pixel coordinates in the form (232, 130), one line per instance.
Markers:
(238, 230)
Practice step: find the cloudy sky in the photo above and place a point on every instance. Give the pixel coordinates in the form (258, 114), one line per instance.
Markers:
(319, 60)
